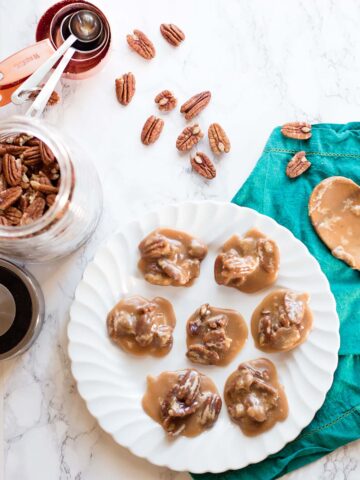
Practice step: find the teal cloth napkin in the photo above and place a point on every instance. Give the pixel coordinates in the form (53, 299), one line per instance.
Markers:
(332, 150)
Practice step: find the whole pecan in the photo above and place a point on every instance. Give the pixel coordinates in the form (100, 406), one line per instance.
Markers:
(141, 44)
(172, 34)
(297, 130)
(219, 141)
(202, 164)
(151, 130)
(165, 101)
(189, 137)
(9, 196)
(33, 211)
(297, 165)
(47, 155)
(125, 88)
(12, 169)
(195, 105)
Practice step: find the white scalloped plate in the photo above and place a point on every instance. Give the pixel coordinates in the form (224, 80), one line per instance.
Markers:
(112, 382)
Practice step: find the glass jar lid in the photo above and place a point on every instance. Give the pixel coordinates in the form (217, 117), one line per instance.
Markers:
(21, 309)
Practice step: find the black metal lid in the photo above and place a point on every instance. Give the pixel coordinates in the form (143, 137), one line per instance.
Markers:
(21, 309)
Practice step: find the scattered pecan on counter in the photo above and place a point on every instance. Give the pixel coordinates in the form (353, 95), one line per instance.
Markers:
(125, 88)
(297, 130)
(172, 34)
(141, 44)
(195, 105)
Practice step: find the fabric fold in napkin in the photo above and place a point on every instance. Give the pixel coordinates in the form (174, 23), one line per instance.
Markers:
(332, 150)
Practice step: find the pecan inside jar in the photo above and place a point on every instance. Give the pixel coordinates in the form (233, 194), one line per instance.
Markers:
(215, 335)
(282, 321)
(171, 257)
(254, 398)
(29, 173)
(249, 263)
(142, 326)
(184, 402)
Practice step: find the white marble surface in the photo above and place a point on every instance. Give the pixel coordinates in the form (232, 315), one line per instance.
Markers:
(265, 62)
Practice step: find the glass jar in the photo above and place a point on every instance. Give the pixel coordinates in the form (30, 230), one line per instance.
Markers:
(73, 217)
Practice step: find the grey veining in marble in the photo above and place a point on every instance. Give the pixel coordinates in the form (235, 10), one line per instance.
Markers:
(266, 62)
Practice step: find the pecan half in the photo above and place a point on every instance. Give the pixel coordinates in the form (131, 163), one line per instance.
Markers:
(188, 387)
(236, 267)
(155, 246)
(144, 325)
(189, 137)
(163, 335)
(125, 88)
(294, 307)
(9, 196)
(197, 353)
(50, 199)
(195, 105)
(13, 215)
(219, 141)
(53, 100)
(20, 139)
(297, 165)
(202, 165)
(12, 169)
(31, 156)
(47, 155)
(43, 187)
(172, 34)
(165, 101)
(141, 44)
(33, 211)
(151, 130)
(174, 271)
(266, 250)
(12, 149)
(210, 409)
(4, 221)
(297, 130)
(217, 340)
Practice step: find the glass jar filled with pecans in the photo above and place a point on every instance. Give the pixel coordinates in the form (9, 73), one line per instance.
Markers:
(50, 194)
